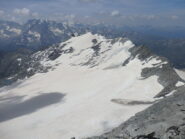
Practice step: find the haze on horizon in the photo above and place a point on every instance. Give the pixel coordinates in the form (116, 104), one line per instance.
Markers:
(115, 12)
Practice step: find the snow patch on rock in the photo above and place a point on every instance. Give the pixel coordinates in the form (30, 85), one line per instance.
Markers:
(179, 84)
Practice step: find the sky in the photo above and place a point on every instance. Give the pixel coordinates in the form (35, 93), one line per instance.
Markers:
(114, 12)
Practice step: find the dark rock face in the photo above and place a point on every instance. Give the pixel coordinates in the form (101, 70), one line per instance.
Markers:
(167, 77)
(94, 41)
(96, 49)
(13, 64)
(58, 52)
(149, 136)
(54, 55)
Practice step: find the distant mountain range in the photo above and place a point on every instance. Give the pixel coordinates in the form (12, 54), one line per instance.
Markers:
(39, 34)
(33, 35)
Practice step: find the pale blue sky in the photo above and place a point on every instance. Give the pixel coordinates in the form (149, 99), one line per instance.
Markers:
(117, 12)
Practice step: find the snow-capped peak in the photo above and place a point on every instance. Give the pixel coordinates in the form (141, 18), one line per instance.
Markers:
(94, 84)
(89, 50)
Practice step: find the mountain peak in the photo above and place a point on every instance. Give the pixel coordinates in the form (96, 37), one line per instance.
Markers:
(90, 50)
(102, 82)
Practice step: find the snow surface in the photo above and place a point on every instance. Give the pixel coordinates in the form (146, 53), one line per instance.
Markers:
(19, 59)
(57, 31)
(15, 30)
(181, 73)
(2, 34)
(35, 34)
(86, 109)
(178, 84)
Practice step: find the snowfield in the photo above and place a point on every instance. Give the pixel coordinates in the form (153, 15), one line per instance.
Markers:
(81, 85)
(181, 73)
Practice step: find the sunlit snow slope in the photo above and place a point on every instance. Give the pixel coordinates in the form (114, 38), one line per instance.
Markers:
(86, 92)
(181, 73)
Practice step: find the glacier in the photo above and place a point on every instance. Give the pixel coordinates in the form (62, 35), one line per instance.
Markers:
(90, 73)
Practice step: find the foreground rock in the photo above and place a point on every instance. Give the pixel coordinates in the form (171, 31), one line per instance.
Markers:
(163, 120)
